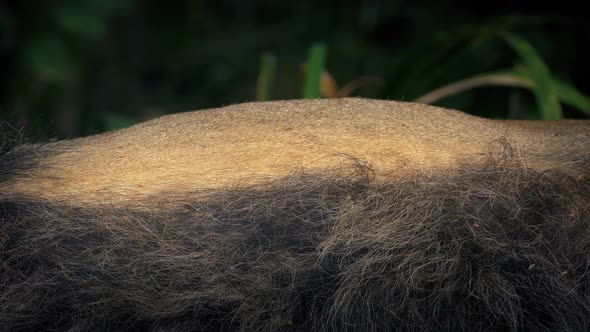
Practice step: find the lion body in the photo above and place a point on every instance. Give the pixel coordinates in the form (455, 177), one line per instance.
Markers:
(324, 215)
(251, 143)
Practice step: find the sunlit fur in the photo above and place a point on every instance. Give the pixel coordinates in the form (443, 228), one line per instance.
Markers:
(489, 245)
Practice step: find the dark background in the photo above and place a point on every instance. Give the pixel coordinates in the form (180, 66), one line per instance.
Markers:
(72, 68)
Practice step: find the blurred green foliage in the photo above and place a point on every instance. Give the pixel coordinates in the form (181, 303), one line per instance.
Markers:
(81, 67)
(542, 82)
(313, 71)
(268, 63)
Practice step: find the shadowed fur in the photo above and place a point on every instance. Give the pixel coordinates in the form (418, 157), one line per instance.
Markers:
(489, 245)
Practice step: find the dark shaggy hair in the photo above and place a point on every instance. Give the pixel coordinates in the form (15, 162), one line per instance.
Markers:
(497, 246)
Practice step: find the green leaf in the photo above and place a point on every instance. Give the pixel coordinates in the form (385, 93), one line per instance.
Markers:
(542, 82)
(315, 67)
(571, 96)
(567, 93)
(265, 76)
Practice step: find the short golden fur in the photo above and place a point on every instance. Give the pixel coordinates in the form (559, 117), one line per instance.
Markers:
(253, 142)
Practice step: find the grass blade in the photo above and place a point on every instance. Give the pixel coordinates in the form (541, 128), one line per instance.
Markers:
(315, 67)
(542, 82)
(268, 63)
(567, 93)
(573, 97)
(489, 79)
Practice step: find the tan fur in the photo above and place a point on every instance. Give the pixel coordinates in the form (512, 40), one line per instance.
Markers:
(188, 223)
(247, 143)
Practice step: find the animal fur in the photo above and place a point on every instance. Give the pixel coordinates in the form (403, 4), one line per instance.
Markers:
(489, 230)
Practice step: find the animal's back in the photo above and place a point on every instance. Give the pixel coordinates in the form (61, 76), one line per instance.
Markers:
(251, 143)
